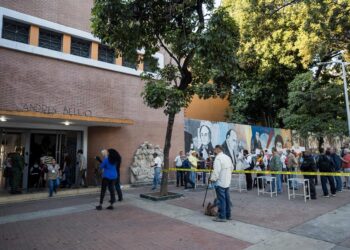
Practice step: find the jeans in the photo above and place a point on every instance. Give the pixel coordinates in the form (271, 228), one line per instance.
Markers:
(347, 178)
(338, 183)
(53, 184)
(156, 178)
(293, 184)
(279, 183)
(118, 189)
(324, 180)
(179, 178)
(223, 195)
(312, 191)
(111, 185)
(188, 179)
(193, 177)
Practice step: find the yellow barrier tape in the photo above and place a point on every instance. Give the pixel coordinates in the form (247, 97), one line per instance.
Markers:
(261, 172)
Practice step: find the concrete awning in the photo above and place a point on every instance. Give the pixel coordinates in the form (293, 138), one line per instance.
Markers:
(60, 119)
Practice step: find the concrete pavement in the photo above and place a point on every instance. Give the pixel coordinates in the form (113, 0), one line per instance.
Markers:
(260, 223)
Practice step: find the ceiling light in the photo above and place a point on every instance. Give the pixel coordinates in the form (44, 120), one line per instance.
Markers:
(67, 123)
(3, 119)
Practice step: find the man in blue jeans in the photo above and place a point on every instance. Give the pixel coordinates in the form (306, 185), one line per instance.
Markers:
(337, 160)
(222, 174)
(157, 166)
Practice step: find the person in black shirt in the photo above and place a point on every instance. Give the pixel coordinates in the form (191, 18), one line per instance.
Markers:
(309, 165)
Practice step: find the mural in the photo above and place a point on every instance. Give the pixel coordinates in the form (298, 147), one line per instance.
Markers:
(202, 136)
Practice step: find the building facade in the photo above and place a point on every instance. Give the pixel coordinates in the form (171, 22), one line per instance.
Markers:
(62, 90)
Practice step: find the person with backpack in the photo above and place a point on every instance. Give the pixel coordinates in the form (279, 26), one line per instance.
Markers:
(187, 174)
(309, 165)
(325, 164)
(276, 165)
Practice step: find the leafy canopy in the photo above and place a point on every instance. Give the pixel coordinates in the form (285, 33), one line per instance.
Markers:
(279, 40)
(316, 106)
(200, 41)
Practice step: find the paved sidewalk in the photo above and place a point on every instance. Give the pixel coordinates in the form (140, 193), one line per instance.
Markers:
(260, 223)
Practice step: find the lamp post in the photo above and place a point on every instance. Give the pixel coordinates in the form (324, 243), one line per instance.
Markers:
(343, 64)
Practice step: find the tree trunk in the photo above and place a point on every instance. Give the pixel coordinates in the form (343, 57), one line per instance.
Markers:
(320, 142)
(167, 146)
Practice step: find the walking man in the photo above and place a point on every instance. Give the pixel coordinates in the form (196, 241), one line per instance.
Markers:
(157, 166)
(82, 168)
(222, 174)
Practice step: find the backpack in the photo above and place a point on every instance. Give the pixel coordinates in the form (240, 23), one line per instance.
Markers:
(186, 164)
(324, 164)
(212, 209)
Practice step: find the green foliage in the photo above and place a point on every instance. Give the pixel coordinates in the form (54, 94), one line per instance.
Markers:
(279, 43)
(316, 106)
(200, 41)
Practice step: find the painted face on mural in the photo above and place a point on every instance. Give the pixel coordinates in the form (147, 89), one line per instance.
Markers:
(232, 139)
(205, 135)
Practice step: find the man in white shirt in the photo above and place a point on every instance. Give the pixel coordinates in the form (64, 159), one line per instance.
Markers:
(222, 174)
(178, 164)
(157, 166)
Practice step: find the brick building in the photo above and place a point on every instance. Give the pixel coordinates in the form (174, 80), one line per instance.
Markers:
(62, 90)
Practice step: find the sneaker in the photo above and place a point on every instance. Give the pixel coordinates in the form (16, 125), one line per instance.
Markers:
(326, 196)
(99, 207)
(153, 188)
(313, 198)
(110, 207)
(219, 220)
(229, 218)
(333, 195)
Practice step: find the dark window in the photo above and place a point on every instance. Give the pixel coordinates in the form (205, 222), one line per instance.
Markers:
(128, 63)
(15, 31)
(150, 64)
(106, 54)
(80, 47)
(50, 40)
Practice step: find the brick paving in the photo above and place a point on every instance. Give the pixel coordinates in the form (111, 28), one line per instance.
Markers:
(126, 227)
(277, 213)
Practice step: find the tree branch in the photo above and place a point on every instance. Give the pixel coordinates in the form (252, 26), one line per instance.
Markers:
(284, 6)
(168, 51)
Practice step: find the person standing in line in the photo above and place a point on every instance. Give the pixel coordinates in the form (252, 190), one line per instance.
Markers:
(222, 175)
(17, 171)
(178, 164)
(292, 166)
(309, 165)
(337, 160)
(187, 174)
(109, 175)
(276, 165)
(53, 173)
(194, 164)
(117, 183)
(346, 167)
(246, 158)
(82, 168)
(157, 167)
(325, 164)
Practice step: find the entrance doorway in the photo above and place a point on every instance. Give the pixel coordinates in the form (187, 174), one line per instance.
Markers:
(34, 145)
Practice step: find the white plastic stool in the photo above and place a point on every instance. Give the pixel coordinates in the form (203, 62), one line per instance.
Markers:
(267, 179)
(304, 182)
(238, 183)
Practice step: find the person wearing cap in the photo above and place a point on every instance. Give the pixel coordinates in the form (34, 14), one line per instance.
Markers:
(222, 175)
(346, 166)
(194, 162)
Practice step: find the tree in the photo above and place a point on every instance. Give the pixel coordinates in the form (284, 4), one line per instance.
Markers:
(200, 40)
(279, 40)
(316, 106)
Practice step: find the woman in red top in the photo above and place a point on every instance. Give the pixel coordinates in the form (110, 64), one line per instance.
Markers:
(346, 165)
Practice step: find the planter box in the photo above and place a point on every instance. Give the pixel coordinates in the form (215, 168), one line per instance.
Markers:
(156, 196)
